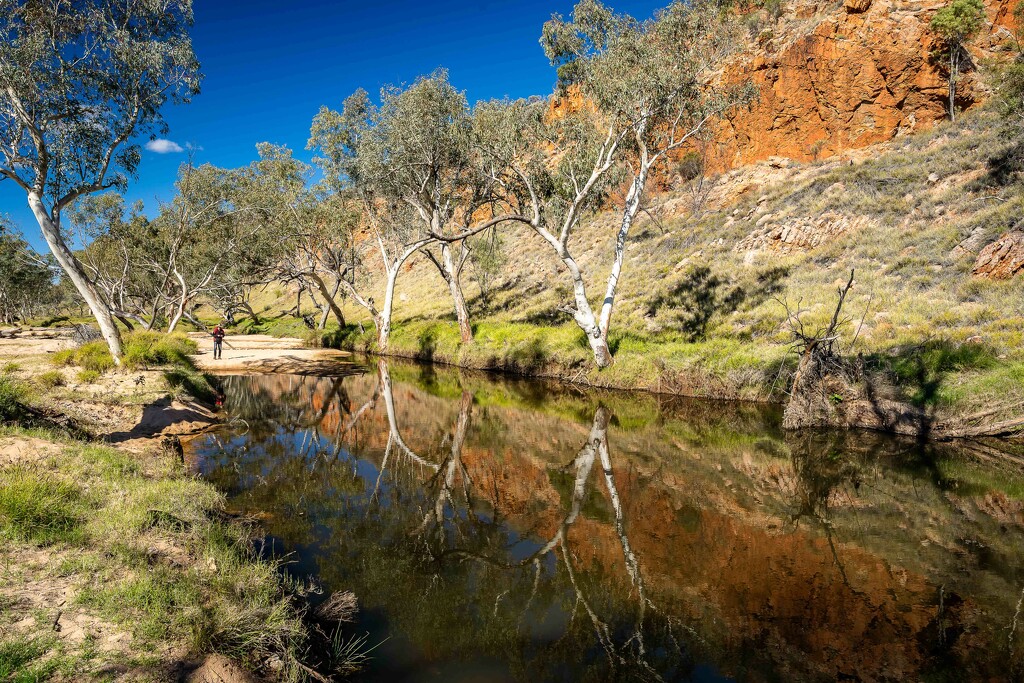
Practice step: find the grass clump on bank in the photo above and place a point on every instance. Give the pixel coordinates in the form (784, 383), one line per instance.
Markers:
(12, 397)
(38, 507)
(142, 350)
(144, 548)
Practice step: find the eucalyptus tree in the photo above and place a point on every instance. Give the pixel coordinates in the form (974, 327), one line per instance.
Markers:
(420, 150)
(648, 89)
(80, 80)
(26, 278)
(309, 226)
(114, 256)
(204, 234)
(352, 151)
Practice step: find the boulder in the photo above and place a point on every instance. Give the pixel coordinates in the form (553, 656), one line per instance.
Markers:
(1002, 259)
(856, 6)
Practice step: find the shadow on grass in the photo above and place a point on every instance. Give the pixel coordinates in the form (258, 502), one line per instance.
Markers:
(919, 372)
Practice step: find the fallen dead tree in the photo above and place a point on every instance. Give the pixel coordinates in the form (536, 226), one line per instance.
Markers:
(832, 389)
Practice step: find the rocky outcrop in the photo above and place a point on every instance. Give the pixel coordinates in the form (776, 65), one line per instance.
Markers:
(833, 78)
(799, 234)
(1002, 259)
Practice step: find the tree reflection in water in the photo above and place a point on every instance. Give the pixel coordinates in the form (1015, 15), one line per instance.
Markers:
(449, 507)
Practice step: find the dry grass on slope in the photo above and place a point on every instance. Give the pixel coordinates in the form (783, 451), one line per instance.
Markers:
(703, 290)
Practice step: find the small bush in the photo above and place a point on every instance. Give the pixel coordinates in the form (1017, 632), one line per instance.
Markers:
(63, 358)
(94, 356)
(88, 376)
(10, 367)
(37, 507)
(144, 349)
(51, 379)
(12, 395)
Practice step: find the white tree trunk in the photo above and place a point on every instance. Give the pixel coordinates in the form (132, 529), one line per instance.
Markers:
(453, 274)
(383, 320)
(329, 299)
(584, 314)
(66, 258)
(629, 212)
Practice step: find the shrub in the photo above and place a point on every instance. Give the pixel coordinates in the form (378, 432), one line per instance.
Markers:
(143, 349)
(51, 379)
(62, 358)
(12, 394)
(10, 367)
(37, 507)
(88, 376)
(94, 356)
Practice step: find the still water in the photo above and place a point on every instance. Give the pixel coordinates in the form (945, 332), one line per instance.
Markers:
(501, 530)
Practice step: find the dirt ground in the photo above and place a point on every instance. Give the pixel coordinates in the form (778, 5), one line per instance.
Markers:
(262, 353)
(131, 411)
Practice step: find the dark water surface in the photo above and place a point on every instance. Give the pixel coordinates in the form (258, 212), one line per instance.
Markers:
(498, 530)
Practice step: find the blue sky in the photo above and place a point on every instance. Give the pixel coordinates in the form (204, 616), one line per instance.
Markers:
(270, 65)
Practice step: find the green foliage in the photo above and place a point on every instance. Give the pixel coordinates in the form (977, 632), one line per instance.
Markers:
(26, 278)
(145, 349)
(51, 379)
(142, 349)
(17, 656)
(63, 358)
(920, 371)
(12, 396)
(88, 376)
(94, 356)
(38, 507)
(958, 21)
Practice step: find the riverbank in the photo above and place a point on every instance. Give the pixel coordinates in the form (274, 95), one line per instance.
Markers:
(116, 562)
(943, 388)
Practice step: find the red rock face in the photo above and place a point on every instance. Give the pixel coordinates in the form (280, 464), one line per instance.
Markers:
(1002, 259)
(846, 77)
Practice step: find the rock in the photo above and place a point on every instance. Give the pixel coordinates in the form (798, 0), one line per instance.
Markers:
(798, 234)
(1002, 259)
(970, 244)
(850, 75)
(933, 178)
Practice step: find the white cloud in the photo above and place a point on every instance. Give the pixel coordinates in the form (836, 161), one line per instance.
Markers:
(161, 146)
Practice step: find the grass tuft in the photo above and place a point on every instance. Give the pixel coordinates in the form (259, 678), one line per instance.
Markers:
(38, 507)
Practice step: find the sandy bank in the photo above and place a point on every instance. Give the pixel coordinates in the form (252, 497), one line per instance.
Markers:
(262, 353)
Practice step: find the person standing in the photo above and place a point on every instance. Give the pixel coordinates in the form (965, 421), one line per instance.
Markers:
(218, 341)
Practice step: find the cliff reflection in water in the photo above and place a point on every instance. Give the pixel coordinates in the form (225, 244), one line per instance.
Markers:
(498, 530)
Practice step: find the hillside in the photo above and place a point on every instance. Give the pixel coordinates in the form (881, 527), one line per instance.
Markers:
(844, 163)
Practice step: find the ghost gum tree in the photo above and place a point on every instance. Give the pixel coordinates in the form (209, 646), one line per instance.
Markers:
(305, 229)
(652, 90)
(79, 81)
(423, 157)
(416, 153)
(354, 148)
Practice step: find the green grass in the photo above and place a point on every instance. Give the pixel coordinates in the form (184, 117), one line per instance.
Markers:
(145, 349)
(211, 594)
(141, 349)
(19, 660)
(12, 396)
(51, 379)
(38, 507)
(88, 376)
